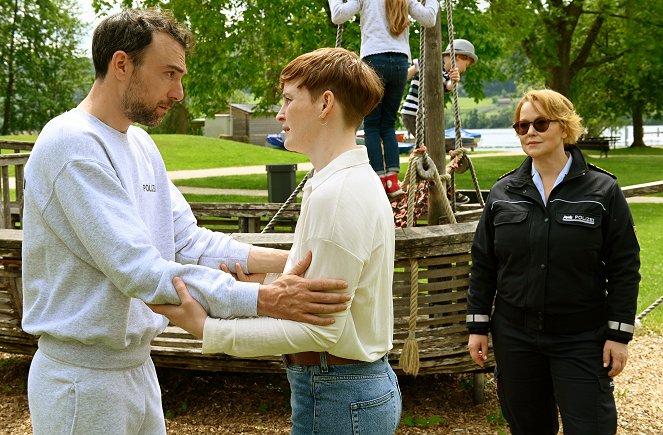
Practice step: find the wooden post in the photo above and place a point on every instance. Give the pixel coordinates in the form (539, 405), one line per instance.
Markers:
(478, 388)
(434, 103)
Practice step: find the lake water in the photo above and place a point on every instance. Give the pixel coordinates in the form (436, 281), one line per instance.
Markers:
(505, 139)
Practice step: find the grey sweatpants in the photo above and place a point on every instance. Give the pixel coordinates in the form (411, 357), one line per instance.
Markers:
(67, 399)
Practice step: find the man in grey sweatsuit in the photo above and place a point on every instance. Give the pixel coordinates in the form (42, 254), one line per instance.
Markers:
(105, 231)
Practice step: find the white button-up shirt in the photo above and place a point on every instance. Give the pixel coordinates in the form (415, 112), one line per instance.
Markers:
(347, 222)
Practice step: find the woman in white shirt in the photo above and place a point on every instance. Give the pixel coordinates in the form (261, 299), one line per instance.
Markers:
(339, 374)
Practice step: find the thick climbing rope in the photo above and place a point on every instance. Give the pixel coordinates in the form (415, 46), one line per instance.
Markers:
(339, 35)
(300, 186)
(291, 198)
(421, 167)
(650, 308)
(420, 163)
(459, 150)
(409, 361)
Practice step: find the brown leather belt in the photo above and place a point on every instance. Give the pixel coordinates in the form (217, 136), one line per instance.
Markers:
(313, 359)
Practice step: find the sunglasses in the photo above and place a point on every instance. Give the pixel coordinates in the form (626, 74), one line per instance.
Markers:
(540, 124)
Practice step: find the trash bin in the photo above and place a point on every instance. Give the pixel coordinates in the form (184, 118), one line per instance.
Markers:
(281, 182)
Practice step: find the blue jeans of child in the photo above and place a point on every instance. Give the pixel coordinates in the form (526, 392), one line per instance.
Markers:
(380, 124)
(344, 399)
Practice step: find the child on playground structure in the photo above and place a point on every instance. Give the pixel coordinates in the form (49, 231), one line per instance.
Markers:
(385, 46)
(465, 58)
(340, 377)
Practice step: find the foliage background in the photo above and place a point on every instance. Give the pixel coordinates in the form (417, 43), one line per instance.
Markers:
(603, 54)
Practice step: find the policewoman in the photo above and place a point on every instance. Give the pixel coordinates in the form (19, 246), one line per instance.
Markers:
(556, 253)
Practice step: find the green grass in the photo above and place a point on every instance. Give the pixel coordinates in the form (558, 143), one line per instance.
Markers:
(465, 104)
(22, 137)
(629, 171)
(648, 223)
(636, 168)
(182, 152)
(637, 151)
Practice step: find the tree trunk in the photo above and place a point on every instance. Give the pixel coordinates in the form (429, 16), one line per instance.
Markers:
(638, 130)
(9, 90)
(434, 106)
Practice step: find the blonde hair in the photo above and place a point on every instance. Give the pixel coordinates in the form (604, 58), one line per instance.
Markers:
(397, 15)
(556, 107)
(356, 86)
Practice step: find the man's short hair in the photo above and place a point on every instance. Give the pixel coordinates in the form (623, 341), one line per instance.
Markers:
(131, 31)
(356, 86)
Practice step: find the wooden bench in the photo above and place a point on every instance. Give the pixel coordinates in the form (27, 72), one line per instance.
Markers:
(600, 144)
(443, 255)
(11, 176)
(245, 217)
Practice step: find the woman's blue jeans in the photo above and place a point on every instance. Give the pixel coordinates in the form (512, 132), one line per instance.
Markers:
(344, 399)
(380, 124)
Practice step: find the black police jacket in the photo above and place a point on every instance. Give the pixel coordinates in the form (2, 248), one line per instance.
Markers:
(566, 266)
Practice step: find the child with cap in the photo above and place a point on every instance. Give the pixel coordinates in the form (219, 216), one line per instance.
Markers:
(465, 57)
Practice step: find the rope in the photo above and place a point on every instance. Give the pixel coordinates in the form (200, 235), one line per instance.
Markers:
(421, 166)
(339, 35)
(463, 159)
(650, 308)
(420, 131)
(287, 202)
(409, 361)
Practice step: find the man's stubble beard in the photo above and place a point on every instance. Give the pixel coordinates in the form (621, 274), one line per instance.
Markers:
(135, 109)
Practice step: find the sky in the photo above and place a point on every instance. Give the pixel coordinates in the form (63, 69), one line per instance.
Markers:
(88, 17)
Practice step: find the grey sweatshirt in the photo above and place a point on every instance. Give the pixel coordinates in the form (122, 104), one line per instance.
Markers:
(105, 230)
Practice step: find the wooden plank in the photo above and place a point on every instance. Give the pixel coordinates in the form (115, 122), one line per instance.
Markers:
(16, 145)
(244, 209)
(5, 211)
(11, 239)
(14, 159)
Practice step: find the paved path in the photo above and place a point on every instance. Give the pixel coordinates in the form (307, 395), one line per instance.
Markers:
(212, 191)
(645, 199)
(262, 169)
(235, 170)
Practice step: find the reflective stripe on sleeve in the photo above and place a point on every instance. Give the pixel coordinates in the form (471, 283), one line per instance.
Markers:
(477, 318)
(618, 326)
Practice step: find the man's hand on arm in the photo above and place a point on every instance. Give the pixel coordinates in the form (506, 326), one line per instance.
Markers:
(304, 300)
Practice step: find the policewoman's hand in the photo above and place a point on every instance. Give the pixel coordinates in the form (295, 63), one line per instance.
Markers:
(478, 347)
(615, 354)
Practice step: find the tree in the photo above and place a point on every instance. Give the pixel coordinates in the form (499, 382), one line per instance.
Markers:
(42, 72)
(244, 44)
(628, 87)
(602, 54)
(553, 41)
